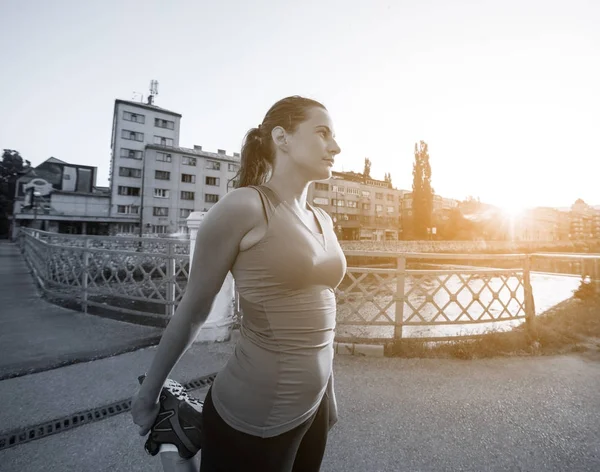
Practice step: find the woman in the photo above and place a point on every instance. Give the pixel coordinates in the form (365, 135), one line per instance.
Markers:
(271, 407)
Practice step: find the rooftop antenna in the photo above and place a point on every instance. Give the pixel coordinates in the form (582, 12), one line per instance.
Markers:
(153, 91)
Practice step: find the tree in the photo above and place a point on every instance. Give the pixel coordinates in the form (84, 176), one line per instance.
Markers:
(367, 171)
(11, 167)
(422, 192)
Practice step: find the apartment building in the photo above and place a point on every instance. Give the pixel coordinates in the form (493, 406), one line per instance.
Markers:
(153, 179)
(361, 208)
(584, 221)
(135, 126)
(178, 181)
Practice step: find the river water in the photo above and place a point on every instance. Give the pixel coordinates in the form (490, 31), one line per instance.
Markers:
(548, 291)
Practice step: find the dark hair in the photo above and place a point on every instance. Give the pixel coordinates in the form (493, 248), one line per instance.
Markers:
(258, 153)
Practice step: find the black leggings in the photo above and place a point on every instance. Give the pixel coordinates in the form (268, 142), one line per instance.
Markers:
(225, 449)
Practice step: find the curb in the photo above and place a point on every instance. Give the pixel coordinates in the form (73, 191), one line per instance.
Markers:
(358, 349)
(20, 370)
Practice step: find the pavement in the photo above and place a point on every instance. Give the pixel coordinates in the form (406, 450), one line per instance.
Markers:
(36, 335)
(504, 414)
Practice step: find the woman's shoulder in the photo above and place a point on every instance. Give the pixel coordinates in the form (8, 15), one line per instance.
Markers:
(242, 202)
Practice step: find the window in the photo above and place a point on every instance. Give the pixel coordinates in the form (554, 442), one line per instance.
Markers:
(339, 203)
(378, 208)
(159, 229)
(210, 198)
(213, 165)
(188, 178)
(366, 193)
(163, 141)
(164, 123)
(128, 209)
(320, 186)
(185, 212)
(130, 172)
(131, 154)
(188, 161)
(132, 135)
(162, 175)
(161, 193)
(160, 211)
(163, 157)
(212, 181)
(129, 191)
(338, 189)
(351, 204)
(135, 117)
(187, 195)
(321, 201)
(390, 209)
(379, 196)
(366, 206)
(127, 228)
(232, 167)
(353, 191)
(390, 197)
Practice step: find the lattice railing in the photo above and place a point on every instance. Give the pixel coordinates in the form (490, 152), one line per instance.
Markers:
(430, 296)
(387, 303)
(93, 272)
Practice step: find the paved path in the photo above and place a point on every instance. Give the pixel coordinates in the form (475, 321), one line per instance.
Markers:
(37, 335)
(511, 414)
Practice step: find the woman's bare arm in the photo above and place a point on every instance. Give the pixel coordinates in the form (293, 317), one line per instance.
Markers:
(217, 246)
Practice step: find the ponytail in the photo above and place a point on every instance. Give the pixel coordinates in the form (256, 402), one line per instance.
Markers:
(256, 161)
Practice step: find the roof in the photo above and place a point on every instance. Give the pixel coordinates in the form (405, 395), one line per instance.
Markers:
(146, 106)
(194, 152)
(55, 161)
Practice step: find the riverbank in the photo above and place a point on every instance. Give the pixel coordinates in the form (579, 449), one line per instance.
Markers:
(571, 326)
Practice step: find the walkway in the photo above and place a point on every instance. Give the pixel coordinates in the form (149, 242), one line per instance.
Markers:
(517, 414)
(36, 335)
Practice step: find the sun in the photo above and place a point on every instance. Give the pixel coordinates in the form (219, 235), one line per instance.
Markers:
(513, 209)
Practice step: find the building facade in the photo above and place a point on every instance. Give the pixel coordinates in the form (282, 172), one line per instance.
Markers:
(361, 208)
(155, 184)
(178, 181)
(135, 125)
(61, 197)
(584, 221)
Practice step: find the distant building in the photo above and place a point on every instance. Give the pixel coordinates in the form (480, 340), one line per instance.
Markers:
(584, 221)
(361, 208)
(178, 181)
(61, 197)
(135, 125)
(153, 180)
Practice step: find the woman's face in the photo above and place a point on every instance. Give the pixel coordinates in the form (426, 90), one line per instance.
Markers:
(312, 147)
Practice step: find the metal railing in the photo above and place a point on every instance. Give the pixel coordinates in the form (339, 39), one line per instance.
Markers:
(428, 296)
(136, 276)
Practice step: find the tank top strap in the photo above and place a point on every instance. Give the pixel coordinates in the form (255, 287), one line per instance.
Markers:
(269, 199)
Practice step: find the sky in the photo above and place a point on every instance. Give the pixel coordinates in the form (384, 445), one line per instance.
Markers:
(505, 93)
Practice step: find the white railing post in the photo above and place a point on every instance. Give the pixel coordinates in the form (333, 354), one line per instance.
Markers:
(220, 320)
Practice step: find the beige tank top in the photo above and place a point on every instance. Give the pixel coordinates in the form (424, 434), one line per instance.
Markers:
(282, 364)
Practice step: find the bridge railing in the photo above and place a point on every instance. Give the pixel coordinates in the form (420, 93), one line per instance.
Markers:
(383, 296)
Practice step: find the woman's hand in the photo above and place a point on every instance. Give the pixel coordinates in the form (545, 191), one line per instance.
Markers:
(144, 412)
